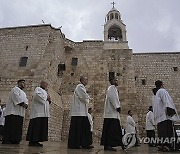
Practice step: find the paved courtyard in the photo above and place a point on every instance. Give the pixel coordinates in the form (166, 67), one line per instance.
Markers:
(61, 148)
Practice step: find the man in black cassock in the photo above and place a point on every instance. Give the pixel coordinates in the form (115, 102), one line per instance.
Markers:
(14, 114)
(80, 131)
(38, 125)
(112, 133)
(165, 115)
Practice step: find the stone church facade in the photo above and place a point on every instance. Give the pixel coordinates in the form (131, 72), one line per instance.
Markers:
(42, 52)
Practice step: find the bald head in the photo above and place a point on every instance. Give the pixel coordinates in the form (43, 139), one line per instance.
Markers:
(84, 80)
(44, 85)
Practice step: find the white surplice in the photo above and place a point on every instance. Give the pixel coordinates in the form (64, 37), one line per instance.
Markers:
(131, 125)
(2, 118)
(40, 104)
(16, 97)
(161, 101)
(80, 101)
(150, 121)
(112, 103)
(90, 121)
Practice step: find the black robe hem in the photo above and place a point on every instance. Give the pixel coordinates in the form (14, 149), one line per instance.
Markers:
(111, 133)
(38, 130)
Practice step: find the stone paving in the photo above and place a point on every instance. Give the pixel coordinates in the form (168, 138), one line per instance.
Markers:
(61, 148)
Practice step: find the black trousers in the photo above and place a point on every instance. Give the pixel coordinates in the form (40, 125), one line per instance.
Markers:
(111, 133)
(166, 131)
(79, 132)
(38, 130)
(13, 128)
(151, 136)
(1, 130)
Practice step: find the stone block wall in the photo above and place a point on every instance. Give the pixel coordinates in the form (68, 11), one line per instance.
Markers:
(61, 62)
(18, 42)
(43, 45)
(66, 125)
(150, 67)
(55, 122)
(96, 63)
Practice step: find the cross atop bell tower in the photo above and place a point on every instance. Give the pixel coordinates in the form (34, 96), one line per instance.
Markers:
(113, 4)
(115, 29)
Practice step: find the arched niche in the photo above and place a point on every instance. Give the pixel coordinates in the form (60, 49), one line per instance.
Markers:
(115, 33)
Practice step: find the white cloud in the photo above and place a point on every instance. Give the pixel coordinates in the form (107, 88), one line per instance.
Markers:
(152, 25)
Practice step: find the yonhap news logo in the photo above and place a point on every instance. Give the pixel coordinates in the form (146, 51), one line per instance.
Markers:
(129, 140)
(159, 140)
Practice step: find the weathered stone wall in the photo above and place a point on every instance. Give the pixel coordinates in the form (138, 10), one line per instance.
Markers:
(96, 63)
(150, 67)
(43, 45)
(46, 48)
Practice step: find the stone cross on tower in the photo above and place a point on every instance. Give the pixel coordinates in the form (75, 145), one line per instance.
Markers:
(113, 4)
(114, 30)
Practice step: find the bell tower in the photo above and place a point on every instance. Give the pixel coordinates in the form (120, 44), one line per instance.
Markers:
(114, 31)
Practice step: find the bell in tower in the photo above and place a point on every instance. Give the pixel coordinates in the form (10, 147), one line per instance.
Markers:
(115, 30)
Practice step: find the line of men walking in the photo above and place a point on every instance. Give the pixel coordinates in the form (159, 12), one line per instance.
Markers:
(14, 114)
(162, 114)
(80, 131)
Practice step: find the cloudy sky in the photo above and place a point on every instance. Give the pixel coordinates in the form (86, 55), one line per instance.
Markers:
(152, 25)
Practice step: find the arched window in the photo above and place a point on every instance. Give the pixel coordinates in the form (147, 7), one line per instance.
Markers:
(111, 16)
(23, 61)
(111, 75)
(61, 68)
(116, 15)
(115, 33)
(74, 61)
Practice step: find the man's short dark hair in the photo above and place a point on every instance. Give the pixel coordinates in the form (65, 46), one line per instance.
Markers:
(21, 80)
(90, 108)
(150, 108)
(154, 90)
(158, 83)
(129, 111)
(111, 79)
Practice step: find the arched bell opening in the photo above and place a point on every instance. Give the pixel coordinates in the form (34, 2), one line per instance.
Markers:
(115, 33)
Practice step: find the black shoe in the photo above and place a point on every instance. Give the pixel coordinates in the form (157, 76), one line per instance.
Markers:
(110, 149)
(15, 143)
(152, 145)
(6, 142)
(40, 145)
(36, 144)
(88, 147)
(177, 149)
(74, 147)
(123, 147)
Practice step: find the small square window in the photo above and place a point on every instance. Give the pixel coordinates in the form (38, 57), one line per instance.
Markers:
(175, 69)
(23, 61)
(61, 67)
(74, 61)
(143, 82)
(118, 74)
(111, 75)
